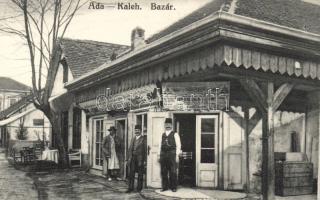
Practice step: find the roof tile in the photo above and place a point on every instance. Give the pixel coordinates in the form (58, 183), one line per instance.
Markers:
(85, 55)
(7, 83)
(290, 13)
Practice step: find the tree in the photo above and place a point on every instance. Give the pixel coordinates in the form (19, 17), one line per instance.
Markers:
(22, 131)
(44, 22)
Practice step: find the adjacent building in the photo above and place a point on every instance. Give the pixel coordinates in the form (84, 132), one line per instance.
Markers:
(79, 57)
(11, 91)
(22, 121)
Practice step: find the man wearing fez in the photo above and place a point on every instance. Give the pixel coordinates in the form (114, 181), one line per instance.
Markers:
(136, 158)
(110, 162)
(170, 147)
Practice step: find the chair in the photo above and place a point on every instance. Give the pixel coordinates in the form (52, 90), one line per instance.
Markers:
(74, 155)
(38, 151)
(28, 155)
(15, 156)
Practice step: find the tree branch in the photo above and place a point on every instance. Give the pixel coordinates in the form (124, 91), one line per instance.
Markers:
(26, 22)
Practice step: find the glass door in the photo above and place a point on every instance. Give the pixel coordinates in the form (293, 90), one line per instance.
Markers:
(97, 143)
(206, 149)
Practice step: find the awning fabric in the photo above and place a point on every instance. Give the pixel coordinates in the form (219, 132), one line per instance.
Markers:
(15, 117)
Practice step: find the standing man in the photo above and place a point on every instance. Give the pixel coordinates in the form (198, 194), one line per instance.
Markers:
(170, 148)
(111, 162)
(136, 158)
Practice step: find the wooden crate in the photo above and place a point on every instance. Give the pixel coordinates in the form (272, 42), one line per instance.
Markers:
(293, 178)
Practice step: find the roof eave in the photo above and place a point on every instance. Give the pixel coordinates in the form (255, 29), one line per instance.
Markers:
(179, 34)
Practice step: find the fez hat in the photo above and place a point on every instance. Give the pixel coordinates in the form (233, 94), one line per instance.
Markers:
(112, 128)
(168, 120)
(137, 126)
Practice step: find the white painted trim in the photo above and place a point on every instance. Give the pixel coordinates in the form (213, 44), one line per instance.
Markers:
(15, 117)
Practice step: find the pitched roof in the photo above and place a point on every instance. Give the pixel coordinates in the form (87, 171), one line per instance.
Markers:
(23, 102)
(84, 55)
(7, 83)
(291, 13)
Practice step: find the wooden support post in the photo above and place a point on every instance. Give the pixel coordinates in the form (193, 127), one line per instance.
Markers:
(313, 131)
(247, 133)
(267, 103)
(270, 140)
(268, 147)
(318, 189)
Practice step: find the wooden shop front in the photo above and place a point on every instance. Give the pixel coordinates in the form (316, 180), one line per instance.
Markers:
(261, 75)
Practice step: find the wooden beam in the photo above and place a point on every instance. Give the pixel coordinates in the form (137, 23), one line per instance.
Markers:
(265, 159)
(247, 132)
(280, 95)
(238, 73)
(269, 132)
(256, 94)
(267, 102)
(254, 120)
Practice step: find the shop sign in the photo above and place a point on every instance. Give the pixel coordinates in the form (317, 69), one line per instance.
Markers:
(141, 97)
(193, 96)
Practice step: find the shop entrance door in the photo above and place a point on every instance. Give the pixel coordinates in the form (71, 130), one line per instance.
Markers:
(98, 130)
(206, 150)
(121, 147)
(155, 129)
(100, 127)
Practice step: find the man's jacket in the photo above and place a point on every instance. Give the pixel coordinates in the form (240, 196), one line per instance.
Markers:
(139, 148)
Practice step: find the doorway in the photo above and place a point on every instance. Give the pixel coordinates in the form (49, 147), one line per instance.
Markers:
(122, 146)
(185, 125)
(199, 159)
(98, 134)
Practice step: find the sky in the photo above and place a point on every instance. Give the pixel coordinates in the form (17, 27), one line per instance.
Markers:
(107, 25)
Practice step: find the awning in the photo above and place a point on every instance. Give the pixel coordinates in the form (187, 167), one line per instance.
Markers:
(15, 117)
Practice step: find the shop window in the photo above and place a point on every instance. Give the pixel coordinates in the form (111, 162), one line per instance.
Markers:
(65, 71)
(38, 122)
(207, 141)
(12, 101)
(76, 135)
(143, 121)
(64, 128)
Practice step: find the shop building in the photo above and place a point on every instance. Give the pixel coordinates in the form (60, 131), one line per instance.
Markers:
(237, 86)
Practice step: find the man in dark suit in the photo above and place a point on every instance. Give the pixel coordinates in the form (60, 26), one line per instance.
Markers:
(170, 148)
(136, 158)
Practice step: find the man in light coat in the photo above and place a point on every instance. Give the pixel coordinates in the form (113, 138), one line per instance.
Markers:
(111, 161)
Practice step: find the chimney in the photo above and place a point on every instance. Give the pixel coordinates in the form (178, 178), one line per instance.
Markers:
(137, 38)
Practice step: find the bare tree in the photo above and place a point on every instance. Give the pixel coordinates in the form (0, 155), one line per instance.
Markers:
(43, 23)
(22, 131)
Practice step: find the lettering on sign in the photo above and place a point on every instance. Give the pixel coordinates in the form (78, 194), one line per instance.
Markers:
(196, 96)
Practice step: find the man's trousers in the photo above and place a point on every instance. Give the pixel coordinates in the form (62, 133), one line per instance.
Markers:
(168, 169)
(136, 165)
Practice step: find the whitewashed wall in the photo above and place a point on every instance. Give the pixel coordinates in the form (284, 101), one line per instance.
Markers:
(58, 87)
(33, 130)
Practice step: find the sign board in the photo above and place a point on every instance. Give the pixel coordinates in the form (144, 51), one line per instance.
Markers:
(193, 96)
(141, 97)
